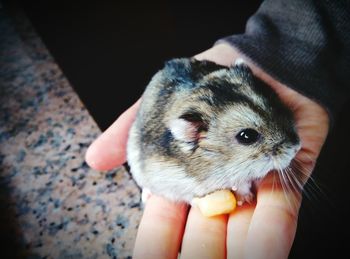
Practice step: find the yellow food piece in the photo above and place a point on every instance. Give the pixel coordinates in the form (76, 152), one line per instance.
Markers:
(216, 203)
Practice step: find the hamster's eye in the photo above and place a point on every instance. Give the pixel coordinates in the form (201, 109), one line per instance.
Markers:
(248, 136)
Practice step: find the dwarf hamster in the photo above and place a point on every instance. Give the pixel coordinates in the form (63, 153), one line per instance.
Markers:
(202, 127)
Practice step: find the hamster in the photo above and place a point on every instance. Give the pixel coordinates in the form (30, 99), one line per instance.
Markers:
(202, 127)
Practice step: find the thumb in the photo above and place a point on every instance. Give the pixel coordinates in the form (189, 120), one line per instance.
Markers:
(109, 149)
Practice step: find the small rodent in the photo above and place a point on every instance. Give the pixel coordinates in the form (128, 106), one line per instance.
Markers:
(202, 127)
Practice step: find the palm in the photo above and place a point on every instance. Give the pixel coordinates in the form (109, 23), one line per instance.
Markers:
(267, 226)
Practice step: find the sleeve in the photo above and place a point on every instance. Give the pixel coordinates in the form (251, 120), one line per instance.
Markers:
(304, 44)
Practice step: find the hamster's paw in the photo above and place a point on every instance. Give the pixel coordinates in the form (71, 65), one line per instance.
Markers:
(241, 199)
(146, 194)
(243, 194)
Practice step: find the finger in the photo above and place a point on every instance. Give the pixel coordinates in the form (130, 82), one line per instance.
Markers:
(273, 224)
(237, 230)
(109, 149)
(161, 229)
(204, 237)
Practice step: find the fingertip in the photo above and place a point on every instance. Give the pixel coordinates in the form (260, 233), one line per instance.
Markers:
(103, 157)
(204, 237)
(273, 225)
(90, 158)
(237, 230)
(161, 229)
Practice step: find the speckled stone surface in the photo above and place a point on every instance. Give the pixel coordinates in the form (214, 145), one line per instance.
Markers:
(59, 206)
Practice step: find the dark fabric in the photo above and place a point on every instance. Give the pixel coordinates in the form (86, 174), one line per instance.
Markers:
(304, 44)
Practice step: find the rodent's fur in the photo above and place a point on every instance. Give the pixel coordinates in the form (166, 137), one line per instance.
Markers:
(182, 144)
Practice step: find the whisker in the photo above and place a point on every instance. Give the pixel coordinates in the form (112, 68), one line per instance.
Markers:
(297, 179)
(293, 181)
(284, 184)
(297, 183)
(312, 189)
(287, 188)
(273, 185)
(292, 188)
(304, 170)
(311, 182)
(310, 194)
(309, 157)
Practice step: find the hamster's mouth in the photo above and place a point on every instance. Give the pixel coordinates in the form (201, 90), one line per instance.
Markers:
(270, 163)
(280, 164)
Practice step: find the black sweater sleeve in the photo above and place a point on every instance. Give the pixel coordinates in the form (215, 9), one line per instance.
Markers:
(304, 44)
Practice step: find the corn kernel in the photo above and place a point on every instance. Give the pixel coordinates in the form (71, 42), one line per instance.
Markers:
(216, 203)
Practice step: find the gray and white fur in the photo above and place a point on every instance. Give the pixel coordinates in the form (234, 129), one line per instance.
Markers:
(202, 127)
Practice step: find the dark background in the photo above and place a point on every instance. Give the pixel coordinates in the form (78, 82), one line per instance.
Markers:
(109, 51)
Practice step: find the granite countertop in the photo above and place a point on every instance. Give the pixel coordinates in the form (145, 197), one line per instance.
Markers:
(53, 204)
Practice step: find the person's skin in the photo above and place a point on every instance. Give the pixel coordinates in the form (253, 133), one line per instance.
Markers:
(265, 229)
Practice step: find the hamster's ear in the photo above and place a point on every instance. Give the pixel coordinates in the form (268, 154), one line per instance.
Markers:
(188, 127)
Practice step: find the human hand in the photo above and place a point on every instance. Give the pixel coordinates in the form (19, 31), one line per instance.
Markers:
(264, 229)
